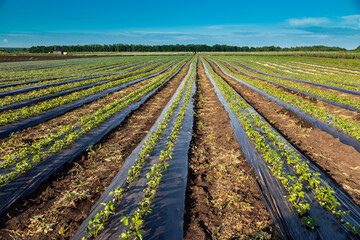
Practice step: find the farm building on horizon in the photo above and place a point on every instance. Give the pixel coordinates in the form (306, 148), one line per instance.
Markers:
(58, 52)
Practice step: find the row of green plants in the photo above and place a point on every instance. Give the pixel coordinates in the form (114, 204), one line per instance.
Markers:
(285, 163)
(59, 72)
(328, 81)
(292, 69)
(327, 68)
(348, 101)
(134, 221)
(51, 90)
(59, 80)
(15, 73)
(111, 67)
(50, 69)
(301, 68)
(335, 63)
(26, 157)
(349, 127)
(345, 65)
(46, 72)
(60, 132)
(28, 111)
(96, 224)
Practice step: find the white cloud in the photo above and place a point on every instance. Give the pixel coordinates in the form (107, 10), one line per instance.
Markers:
(5, 40)
(351, 21)
(316, 36)
(307, 21)
(184, 38)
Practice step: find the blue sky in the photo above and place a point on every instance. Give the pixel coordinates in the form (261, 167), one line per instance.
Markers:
(25, 23)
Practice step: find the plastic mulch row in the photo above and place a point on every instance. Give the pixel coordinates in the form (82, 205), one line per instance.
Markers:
(283, 214)
(343, 137)
(165, 222)
(6, 130)
(25, 184)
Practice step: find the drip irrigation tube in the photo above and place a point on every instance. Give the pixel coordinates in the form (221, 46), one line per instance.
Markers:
(25, 184)
(343, 137)
(6, 130)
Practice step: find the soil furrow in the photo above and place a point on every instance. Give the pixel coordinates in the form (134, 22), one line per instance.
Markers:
(60, 205)
(223, 199)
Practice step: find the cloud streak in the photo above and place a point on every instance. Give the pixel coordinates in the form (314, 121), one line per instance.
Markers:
(351, 21)
(308, 21)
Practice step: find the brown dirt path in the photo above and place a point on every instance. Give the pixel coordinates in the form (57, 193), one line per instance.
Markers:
(223, 200)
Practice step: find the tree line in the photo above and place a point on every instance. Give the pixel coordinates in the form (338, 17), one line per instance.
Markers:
(173, 48)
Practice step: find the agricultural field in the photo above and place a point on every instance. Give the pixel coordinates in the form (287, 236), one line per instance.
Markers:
(210, 146)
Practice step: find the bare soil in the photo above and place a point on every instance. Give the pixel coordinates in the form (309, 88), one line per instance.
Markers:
(222, 200)
(338, 160)
(61, 204)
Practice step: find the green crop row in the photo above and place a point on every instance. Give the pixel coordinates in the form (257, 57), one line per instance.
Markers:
(348, 101)
(328, 68)
(28, 111)
(40, 150)
(85, 67)
(51, 90)
(59, 80)
(298, 63)
(300, 68)
(280, 157)
(71, 73)
(329, 81)
(303, 74)
(96, 224)
(339, 122)
(308, 74)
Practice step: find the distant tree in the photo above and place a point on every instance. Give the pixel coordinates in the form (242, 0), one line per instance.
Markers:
(175, 48)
